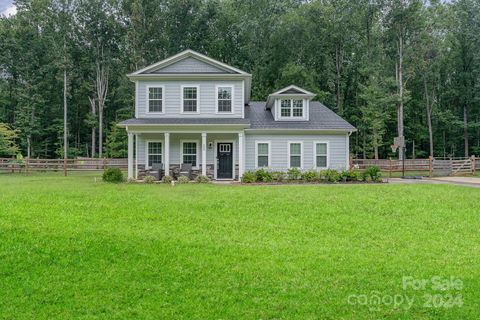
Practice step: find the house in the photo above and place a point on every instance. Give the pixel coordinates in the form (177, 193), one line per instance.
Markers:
(190, 108)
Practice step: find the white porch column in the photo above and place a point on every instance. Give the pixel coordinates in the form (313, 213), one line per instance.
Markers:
(204, 153)
(240, 156)
(130, 155)
(166, 161)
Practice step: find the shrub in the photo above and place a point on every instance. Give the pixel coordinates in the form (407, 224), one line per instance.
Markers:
(278, 176)
(149, 179)
(372, 173)
(350, 175)
(294, 173)
(202, 179)
(113, 175)
(167, 179)
(309, 176)
(263, 175)
(249, 177)
(332, 175)
(183, 180)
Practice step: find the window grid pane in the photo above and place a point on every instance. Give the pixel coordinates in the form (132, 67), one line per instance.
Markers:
(295, 149)
(295, 161)
(262, 154)
(190, 153)
(224, 105)
(322, 161)
(155, 96)
(190, 99)
(263, 161)
(322, 148)
(298, 108)
(285, 110)
(224, 97)
(263, 148)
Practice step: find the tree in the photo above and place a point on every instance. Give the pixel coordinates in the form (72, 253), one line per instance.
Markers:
(117, 142)
(7, 140)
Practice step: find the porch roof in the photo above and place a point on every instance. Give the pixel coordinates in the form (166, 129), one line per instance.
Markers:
(186, 121)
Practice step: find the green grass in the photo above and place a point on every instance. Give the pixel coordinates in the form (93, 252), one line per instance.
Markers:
(75, 248)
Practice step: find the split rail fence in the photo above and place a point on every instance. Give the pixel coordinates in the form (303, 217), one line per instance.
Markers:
(27, 165)
(431, 166)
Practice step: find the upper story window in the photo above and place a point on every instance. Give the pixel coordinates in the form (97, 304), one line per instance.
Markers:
(224, 98)
(190, 101)
(155, 99)
(291, 108)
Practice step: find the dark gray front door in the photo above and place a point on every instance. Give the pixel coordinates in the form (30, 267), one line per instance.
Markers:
(225, 160)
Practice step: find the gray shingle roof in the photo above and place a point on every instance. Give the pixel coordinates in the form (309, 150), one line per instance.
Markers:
(256, 117)
(320, 118)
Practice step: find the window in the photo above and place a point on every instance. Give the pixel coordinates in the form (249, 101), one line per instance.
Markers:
(155, 99)
(189, 152)
(154, 153)
(190, 99)
(263, 154)
(295, 155)
(224, 99)
(291, 108)
(321, 154)
(285, 110)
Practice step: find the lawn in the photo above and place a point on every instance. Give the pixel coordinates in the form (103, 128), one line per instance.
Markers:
(76, 248)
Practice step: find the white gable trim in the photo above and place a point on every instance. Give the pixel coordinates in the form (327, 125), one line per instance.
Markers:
(303, 91)
(186, 54)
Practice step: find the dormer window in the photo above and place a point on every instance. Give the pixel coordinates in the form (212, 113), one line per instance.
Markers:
(291, 108)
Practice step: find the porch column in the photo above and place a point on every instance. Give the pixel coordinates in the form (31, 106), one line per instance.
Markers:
(130, 156)
(166, 161)
(204, 153)
(240, 156)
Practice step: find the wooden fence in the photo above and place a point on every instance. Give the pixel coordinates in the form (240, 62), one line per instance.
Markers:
(78, 164)
(431, 166)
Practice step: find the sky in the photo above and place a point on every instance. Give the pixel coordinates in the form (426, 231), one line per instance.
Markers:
(7, 7)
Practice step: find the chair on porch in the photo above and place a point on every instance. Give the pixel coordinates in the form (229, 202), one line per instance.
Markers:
(186, 170)
(157, 171)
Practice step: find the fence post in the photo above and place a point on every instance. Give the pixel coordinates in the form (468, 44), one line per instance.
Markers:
(473, 164)
(26, 165)
(350, 161)
(430, 166)
(13, 164)
(104, 163)
(390, 167)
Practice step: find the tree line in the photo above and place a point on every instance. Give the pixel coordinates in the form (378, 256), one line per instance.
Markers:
(390, 67)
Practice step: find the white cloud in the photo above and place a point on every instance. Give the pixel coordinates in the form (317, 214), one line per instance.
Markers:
(9, 11)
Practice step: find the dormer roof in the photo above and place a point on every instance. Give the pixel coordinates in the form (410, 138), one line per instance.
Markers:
(291, 91)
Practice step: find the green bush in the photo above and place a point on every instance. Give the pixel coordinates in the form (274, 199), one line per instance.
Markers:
(372, 173)
(249, 177)
(202, 179)
(278, 176)
(149, 179)
(183, 180)
(331, 175)
(167, 179)
(350, 175)
(310, 175)
(264, 175)
(294, 174)
(113, 175)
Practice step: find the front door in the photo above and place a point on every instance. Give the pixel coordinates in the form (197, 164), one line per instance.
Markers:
(225, 160)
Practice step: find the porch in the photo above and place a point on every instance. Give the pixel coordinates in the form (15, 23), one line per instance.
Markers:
(216, 154)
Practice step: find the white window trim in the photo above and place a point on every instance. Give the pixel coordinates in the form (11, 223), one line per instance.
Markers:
(231, 86)
(269, 153)
(291, 117)
(199, 164)
(147, 154)
(147, 111)
(301, 153)
(315, 154)
(182, 87)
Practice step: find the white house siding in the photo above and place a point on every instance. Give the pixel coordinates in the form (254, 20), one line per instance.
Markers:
(279, 150)
(175, 139)
(172, 98)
